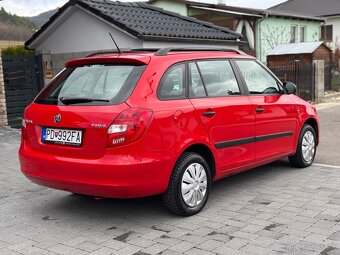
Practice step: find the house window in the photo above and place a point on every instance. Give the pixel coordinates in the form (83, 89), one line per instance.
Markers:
(293, 31)
(327, 33)
(302, 34)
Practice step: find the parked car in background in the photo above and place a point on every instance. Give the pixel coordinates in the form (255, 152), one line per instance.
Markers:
(169, 122)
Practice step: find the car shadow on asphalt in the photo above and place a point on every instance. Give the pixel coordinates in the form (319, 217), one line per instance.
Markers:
(75, 205)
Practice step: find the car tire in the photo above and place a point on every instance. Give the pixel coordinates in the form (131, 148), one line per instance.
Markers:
(189, 185)
(306, 148)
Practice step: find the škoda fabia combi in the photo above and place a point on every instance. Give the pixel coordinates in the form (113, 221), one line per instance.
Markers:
(169, 122)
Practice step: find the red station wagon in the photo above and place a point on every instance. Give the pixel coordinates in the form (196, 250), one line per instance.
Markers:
(168, 122)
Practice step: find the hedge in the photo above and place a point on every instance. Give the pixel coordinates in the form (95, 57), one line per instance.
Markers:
(17, 51)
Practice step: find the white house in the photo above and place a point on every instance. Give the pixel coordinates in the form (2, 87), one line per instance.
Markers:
(84, 26)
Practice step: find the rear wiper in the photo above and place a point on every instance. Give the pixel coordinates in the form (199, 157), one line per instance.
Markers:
(79, 100)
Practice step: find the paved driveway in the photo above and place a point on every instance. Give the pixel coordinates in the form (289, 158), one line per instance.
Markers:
(274, 209)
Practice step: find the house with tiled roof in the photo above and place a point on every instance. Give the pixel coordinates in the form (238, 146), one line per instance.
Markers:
(145, 24)
(83, 26)
(262, 30)
(328, 9)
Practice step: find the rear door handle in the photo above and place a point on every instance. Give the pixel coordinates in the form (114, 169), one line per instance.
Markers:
(209, 114)
(259, 109)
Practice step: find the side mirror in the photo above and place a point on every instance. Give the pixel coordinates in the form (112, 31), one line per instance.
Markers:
(290, 87)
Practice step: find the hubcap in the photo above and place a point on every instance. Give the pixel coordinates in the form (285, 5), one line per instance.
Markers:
(194, 184)
(308, 146)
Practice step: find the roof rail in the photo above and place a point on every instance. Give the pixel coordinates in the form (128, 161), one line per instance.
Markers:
(145, 49)
(165, 51)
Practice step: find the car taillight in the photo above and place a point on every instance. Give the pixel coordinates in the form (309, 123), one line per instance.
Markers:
(128, 127)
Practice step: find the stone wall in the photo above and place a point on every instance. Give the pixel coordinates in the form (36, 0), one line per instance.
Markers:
(3, 110)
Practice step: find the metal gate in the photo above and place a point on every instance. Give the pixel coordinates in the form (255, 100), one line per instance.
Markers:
(300, 73)
(23, 77)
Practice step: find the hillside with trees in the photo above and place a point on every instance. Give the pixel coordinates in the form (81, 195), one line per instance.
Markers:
(42, 18)
(13, 27)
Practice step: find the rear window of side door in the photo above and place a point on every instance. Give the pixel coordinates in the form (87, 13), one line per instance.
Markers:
(224, 109)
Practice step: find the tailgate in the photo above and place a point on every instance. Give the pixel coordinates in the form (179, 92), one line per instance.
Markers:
(91, 122)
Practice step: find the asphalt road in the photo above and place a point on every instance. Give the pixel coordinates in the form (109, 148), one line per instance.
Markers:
(328, 151)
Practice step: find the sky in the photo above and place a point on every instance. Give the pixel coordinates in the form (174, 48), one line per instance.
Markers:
(35, 7)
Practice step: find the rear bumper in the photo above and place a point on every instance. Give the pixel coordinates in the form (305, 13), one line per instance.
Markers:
(120, 176)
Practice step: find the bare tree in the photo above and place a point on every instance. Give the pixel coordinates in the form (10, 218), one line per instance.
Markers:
(275, 35)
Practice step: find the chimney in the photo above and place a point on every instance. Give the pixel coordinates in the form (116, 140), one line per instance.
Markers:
(221, 2)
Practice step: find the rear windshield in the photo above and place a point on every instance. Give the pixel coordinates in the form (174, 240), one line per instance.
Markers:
(92, 85)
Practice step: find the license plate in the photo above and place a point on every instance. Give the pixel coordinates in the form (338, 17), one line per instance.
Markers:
(62, 136)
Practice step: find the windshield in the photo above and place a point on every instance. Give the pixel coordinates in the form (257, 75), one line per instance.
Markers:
(92, 85)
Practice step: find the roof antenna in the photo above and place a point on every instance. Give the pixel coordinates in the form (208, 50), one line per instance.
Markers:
(119, 50)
